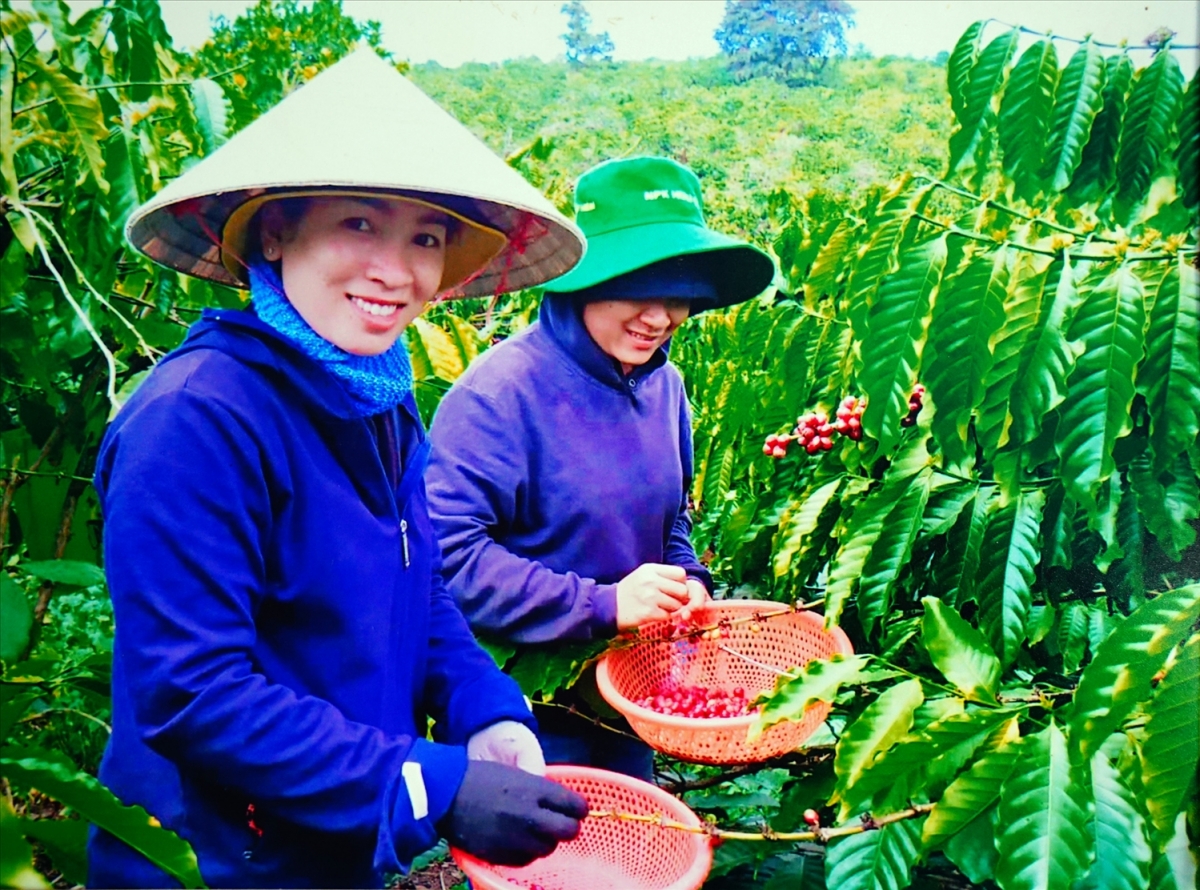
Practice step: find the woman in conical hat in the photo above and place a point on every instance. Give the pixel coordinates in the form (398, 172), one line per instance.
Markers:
(562, 457)
(282, 629)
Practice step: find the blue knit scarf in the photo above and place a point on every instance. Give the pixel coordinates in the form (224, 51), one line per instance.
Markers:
(376, 383)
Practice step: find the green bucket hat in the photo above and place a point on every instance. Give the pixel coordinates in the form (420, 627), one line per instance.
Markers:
(640, 211)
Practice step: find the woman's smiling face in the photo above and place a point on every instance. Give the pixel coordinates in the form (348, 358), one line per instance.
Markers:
(358, 270)
(631, 330)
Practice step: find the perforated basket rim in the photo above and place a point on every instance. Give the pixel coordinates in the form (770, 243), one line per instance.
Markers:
(628, 708)
(483, 877)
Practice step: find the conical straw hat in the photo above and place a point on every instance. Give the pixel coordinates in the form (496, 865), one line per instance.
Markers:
(361, 127)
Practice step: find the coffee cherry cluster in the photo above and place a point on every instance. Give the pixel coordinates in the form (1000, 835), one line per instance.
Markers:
(914, 406)
(698, 702)
(813, 432)
(849, 417)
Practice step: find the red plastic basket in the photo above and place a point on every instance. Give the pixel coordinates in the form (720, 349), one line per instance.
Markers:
(610, 853)
(747, 652)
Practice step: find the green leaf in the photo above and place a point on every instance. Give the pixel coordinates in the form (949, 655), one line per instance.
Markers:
(973, 849)
(541, 671)
(1146, 132)
(16, 618)
(819, 680)
(83, 114)
(1119, 834)
(1041, 382)
(65, 571)
(50, 773)
(959, 651)
(881, 725)
(1162, 876)
(1170, 376)
(959, 65)
(896, 334)
(1010, 554)
(1119, 674)
(1021, 309)
(971, 794)
(1025, 114)
(927, 757)
(1042, 835)
(16, 856)
(1169, 508)
(986, 80)
(500, 651)
(1076, 105)
(891, 552)
(1071, 635)
(1170, 750)
(821, 280)
(1187, 155)
(212, 112)
(955, 573)
(1100, 389)
(799, 523)
(1097, 171)
(875, 860)
(65, 842)
(947, 499)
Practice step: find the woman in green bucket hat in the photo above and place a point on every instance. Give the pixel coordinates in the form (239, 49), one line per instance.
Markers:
(562, 457)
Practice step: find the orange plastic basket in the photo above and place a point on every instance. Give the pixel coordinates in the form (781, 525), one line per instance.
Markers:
(746, 652)
(610, 853)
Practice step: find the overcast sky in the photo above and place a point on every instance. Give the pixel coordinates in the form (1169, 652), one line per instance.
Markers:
(455, 31)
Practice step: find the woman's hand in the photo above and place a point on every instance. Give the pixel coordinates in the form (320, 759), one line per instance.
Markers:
(651, 592)
(510, 743)
(698, 598)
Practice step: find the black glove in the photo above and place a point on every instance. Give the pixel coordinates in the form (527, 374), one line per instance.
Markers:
(507, 816)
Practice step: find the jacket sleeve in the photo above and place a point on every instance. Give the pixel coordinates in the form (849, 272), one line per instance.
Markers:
(478, 470)
(187, 510)
(679, 550)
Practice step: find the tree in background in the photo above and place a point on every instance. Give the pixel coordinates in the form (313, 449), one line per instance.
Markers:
(582, 45)
(790, 40)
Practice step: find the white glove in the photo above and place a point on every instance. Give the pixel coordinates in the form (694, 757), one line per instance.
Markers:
(510, 743)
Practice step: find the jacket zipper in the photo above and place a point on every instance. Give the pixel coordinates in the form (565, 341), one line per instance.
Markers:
(404, 539)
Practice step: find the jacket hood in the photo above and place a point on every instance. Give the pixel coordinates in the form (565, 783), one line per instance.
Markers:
(562, 317)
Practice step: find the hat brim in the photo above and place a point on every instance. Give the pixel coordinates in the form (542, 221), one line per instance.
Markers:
(473, 247)
(738, 270)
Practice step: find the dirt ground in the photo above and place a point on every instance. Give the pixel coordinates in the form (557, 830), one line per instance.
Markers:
(439, 876)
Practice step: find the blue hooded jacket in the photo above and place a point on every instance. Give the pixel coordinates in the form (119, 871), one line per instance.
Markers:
(554, 475)
(281, 626)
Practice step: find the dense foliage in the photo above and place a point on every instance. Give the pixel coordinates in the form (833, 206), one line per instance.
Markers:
(789, 40)
(1017, 568)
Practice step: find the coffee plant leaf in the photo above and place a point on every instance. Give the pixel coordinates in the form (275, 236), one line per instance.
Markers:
(1170, 749)
(65, 571)
(891, 351)
(973, 849)
(975, 790)
(1049, 357)
(16, 856)
(541, 671)
(954, 575)
(1042, 827)
(891, 552)
(1078, 100)
(1149, 121)
(1118, 834)
(1021, 308)
(881, 859)
(821, 280)
(820, 680)
(1095, 414)
(83, 115)
(212, 112)
(1071, 635)
(968, 312)
(1162, 873)
(434, 352)
(1026, 111)
(799, 523)
(884, 722)
(947, 500)
(1097, 171)
(927, 757)
(970, 142)
(16, 619)
(53, 775)
(1120, 673)
(959, 651)
(1167, 509)
(1170, 375)
(65, 843)
(958, 67)
(1187, 155)
(1009, 558)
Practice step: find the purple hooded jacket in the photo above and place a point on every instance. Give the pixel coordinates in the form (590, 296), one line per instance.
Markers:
(554, 475)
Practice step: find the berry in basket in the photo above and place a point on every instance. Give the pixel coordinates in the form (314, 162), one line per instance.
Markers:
(698, 702)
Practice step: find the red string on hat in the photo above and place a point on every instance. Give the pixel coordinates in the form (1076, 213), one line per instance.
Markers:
(529, 228)
(192, 207)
